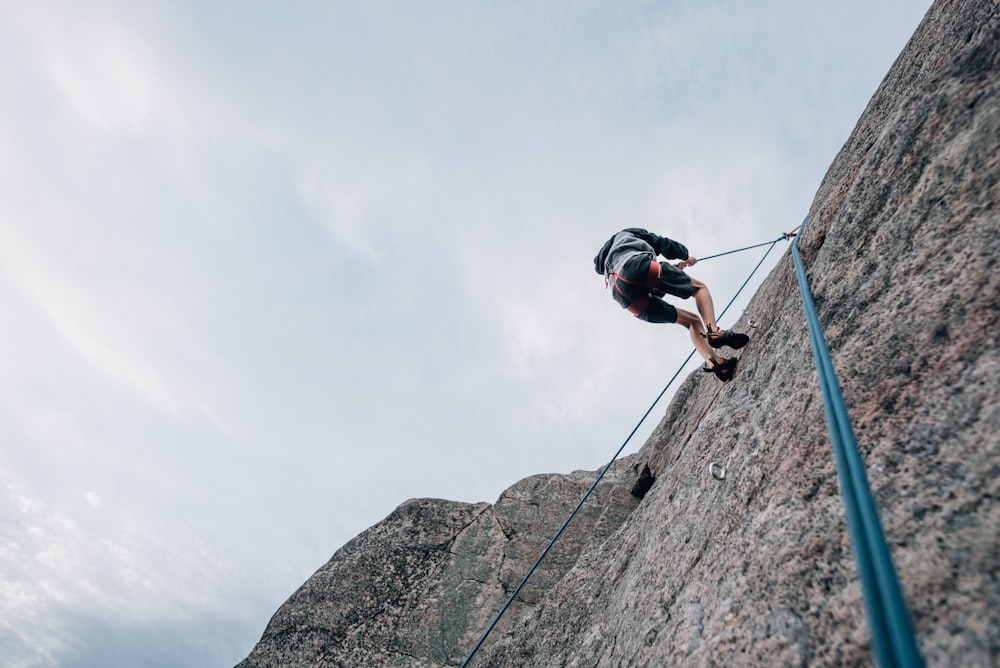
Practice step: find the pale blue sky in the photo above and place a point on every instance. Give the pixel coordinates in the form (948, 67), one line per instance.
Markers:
(267, 270)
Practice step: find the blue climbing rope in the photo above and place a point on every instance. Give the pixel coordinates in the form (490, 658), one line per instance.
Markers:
(569, 519)
(786, 235)
(892, 633)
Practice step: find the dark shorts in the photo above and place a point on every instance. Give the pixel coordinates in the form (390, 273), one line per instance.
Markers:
(674, 282)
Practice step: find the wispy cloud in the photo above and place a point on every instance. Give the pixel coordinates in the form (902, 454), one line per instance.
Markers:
(105, 70)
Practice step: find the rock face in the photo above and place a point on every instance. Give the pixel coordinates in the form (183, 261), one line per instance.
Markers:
(902, 250)
(419, 588)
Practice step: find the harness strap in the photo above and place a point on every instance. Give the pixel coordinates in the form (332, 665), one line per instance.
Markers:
(639, 306)
(640, 303)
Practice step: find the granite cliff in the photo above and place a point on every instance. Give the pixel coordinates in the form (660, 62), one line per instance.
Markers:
(902, 251)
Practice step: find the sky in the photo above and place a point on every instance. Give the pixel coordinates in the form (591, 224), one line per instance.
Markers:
(269, 269)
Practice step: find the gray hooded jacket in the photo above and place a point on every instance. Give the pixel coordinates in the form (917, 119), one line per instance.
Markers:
(628, 254)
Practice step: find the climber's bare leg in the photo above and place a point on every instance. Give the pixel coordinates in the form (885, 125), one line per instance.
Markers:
(703, 301)
(696, 328)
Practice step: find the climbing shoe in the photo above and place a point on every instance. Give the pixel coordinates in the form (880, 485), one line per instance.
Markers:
(723, 369)
(717, 338)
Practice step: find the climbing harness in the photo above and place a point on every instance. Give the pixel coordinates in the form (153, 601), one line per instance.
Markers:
(614, 458)
(893, 639)
(641, 303)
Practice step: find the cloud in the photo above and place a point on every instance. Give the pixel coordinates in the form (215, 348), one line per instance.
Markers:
(115, 326)
(201, 639)
(109, 566)
(368, 203)
(104, 69)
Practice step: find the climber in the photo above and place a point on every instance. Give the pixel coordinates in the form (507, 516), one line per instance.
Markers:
(628, 262)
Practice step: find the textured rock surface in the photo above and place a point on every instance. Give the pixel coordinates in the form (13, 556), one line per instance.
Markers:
(418, 588)
(757, 569)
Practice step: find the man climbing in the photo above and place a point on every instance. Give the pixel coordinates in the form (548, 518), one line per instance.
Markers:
(628, 262)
